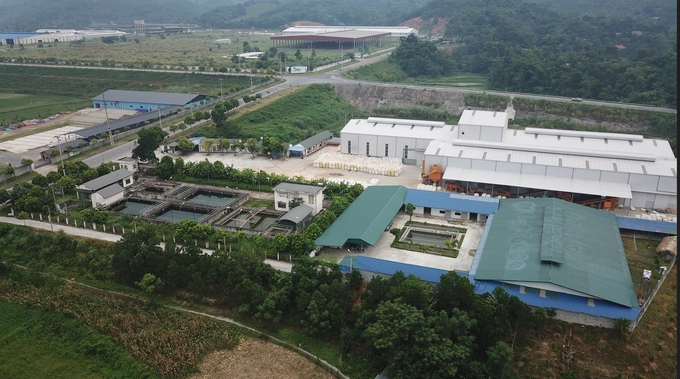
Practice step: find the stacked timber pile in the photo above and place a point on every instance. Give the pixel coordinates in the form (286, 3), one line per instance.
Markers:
(373, 165)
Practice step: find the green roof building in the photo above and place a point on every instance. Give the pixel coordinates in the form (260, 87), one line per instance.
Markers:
(556, 246)
(364, 221)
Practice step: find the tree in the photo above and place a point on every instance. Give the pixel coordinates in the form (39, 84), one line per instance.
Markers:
(409, 211)
(40, 181)
(22, 216)
(27, 162)
(298, 55)
(185, 145)
(53, 176)
(222, 144)
(295, 201)
(207, 144)
(66, 183)
(165, 168)
(189, 120)
(498, 361)
(149, 283)
(103, 169)
(251, 146)
(149, 140)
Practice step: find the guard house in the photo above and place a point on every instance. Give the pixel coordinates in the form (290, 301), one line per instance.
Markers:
(128, 163)
(121, 177)
(312, 196)
(311, 144)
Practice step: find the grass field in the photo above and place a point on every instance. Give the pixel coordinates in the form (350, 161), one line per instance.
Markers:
(38, 343)
(18, 107)
(388, 72)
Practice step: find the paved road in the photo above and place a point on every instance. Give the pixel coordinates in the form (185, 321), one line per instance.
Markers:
(88, 233)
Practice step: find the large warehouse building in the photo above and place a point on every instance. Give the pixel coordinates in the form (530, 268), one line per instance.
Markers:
(347, 37)
(482, 156)
(146, 101)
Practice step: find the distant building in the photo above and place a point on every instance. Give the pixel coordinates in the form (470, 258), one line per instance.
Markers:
(223, 40)
(310, 195)
(252, 55)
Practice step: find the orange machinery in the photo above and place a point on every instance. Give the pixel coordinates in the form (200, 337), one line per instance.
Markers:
(434, 176)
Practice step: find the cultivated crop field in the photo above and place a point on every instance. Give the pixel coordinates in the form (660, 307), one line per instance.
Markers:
(56, 346)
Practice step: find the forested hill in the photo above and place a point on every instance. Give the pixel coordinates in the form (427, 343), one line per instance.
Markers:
(527, 47)
(276, 14)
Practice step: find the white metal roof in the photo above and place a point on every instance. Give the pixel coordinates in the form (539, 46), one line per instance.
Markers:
(483, 118)
(549, 183)
(394, 30)
(400, 128)
(541, 156)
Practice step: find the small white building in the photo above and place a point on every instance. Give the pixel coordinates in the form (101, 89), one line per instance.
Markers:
(121, 177)
(311, 195)
(107, 195)
(128, 163)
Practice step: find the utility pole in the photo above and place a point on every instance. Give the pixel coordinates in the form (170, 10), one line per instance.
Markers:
(63, 171)
(106, 113)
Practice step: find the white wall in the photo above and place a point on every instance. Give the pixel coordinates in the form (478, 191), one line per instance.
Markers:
(97, 199)
(313, 200)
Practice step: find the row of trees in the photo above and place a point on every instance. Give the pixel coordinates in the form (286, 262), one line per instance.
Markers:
(409, 326)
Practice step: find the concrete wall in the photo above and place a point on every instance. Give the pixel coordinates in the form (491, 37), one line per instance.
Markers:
(314, 201)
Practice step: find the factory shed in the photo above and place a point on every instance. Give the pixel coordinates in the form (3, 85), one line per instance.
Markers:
(145, 101)
(553, 246)
(351, 38)
(311, 144)
(366, 219)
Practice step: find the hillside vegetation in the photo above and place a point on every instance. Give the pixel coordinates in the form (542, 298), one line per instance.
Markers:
(292, 118)
(530, 48)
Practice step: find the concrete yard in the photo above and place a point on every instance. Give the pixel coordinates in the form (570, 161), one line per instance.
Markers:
(24, 144)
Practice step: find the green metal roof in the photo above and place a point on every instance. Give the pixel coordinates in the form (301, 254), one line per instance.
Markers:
(564, 244)
(364, 221)
(313, 140)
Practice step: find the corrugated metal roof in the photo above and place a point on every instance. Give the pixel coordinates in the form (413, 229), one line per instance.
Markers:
(399, 128)
(105, 180)
(586, 252)
(364, 221)
(111, 190)
(542, 182)
(134, 121)
(483, 118)
(297, 214)
(452, 201)
(647, 225)
(297, 187)
(313, 140)
(169, 98)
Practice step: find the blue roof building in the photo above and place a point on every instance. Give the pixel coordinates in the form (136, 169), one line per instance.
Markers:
(146, 101)
(451, 205)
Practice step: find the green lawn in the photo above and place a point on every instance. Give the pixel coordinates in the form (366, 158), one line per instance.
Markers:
(18, 107)
(38, 343)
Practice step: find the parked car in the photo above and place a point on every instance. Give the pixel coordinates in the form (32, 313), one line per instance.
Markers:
(576, 99)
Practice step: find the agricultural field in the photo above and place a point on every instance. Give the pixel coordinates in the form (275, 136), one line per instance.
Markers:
(18, 107)
(182, 50)
(36, 92)
(63, 346)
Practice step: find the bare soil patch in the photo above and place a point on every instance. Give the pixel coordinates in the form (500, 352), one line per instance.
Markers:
(255, 359)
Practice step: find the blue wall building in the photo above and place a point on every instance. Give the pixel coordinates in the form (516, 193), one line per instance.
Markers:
(146, 101)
